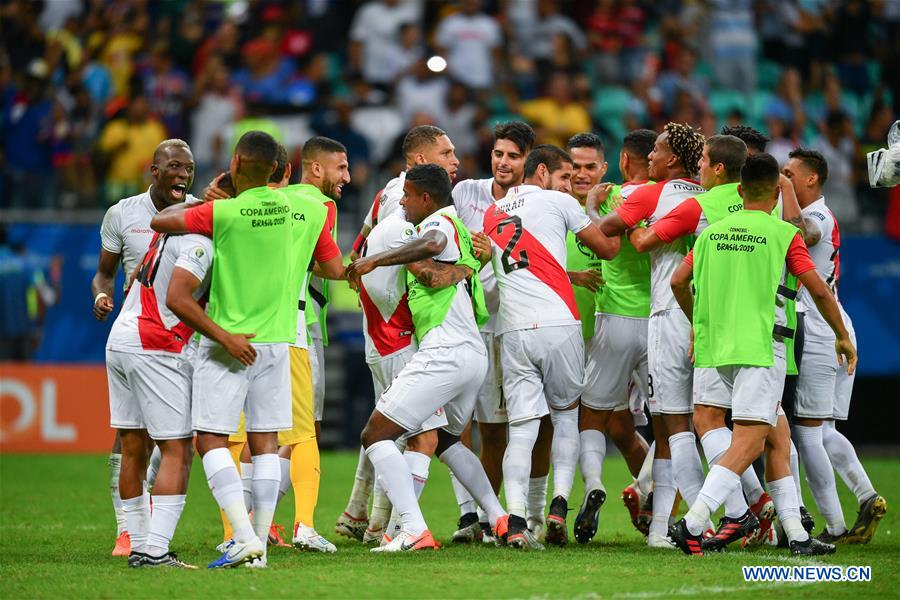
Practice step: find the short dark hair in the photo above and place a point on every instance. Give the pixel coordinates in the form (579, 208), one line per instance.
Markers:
(319, 144)
(639, 143)
(548, 155)
(433, 179)
(759, 176)
(518, 132)
(754, 139)
(729, 150)
(261, 151)
(812, 160)
(586, 139)
(281, 162)
(419, 136)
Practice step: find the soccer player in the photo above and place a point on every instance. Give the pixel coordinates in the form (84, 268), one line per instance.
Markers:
(541, 347)
(150, 391)
(738, 271)
(617, 354)
(422, 144)
(125, 236)
(449, 366)
(672, 164)
(823, 387)
(254, 241)
(472, 198)
(720, 172)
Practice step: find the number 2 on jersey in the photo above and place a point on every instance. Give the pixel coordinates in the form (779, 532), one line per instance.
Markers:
(510, 265)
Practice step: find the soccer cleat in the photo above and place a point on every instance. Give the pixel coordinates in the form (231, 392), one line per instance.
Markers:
(557, 532)
(276, 536)
(136, 559)
(538, 527)
(169, 559)
(487, 536)
(826, 537)
(373, 536)
(123, 545)
(258, 563)
(731, 530)
(237, 553)
(640, 512)
(306, 538)
(654, 540)
(589, 516)
(870, 513)
(684, 539)
(519, 536)
(349, 526)
(468, 530)
(811, 547)
(500, 531)
(806, 520)
(221, 547)
(407, 542)
(764, 511)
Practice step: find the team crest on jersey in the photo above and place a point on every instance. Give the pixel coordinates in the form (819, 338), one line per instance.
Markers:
(199, 252)
(408, 234)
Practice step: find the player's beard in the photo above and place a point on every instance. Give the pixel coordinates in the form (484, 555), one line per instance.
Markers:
(330, 189)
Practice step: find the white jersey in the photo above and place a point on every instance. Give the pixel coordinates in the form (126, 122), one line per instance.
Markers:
(387, 201)
(472, 199)
(826, 256)
(650, 203)
(126, 229)
(528, 230)
(459, 327)
(146, 325)
(387, 322)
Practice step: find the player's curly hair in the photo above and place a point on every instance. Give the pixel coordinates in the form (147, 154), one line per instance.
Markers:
(687, 144)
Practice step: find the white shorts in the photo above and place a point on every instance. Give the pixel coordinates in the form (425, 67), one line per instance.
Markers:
(637, 398)
(317, 365)
(543, 369)
(385, 371)
(617, 352)
(490, 406)
(756, 391)
(223, 387)
(150, 391)
(671, 376)
(823, 386)
(435, 381)
(709, 389)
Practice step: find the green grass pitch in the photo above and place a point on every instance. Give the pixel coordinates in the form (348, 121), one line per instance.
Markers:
(57, 530)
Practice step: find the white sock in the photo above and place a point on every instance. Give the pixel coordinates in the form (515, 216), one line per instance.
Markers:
(266, 480)
(564, 450)
(395, 475)
(643, 483)
(358, 505)
(845, 461)
(225, 484)
(784, 495)
(537, 498)
(795, 473)
(820, 476)
(137, 520)
(463, 498)
(517, 464)
(115, 467)
(163, 521)
(381, 506)
(247, 484)
(686, 465)
(719, 485)
(468, 470)
(715, 443)
(593, 450)
(153, 466)
(418, 467)
(285, 481)
(664, 493)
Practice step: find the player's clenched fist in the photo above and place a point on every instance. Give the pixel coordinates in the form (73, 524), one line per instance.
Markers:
(103, 305)
(358, 268)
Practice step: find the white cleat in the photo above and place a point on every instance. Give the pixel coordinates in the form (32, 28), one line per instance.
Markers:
(407, 542)
(654, 540)
(306, 538)
(237, 553)
(373, 537)
(537, 527)
(259, 563)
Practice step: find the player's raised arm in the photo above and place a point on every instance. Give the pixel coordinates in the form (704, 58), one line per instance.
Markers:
(602, 245)
(427, 246)
(180, 300)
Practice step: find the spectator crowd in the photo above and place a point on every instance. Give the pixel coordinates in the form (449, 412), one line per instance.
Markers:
(89, 87)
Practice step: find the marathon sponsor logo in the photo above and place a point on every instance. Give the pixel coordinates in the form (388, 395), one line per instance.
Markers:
(683, 186)
(140, 230)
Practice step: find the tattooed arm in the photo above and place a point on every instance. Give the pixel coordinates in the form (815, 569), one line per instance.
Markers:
(433, 274)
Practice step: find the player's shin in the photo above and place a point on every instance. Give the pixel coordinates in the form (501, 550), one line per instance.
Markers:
(517, 464)
(266, 479)
(468, 471)
(225, 484)
(394, 472)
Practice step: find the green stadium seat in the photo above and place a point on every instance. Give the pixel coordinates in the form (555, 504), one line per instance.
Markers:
(724, 101)
(610, 103)
(767, 75)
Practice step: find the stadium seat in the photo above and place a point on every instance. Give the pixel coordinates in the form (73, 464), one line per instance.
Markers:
(768, 73)
(610, 104)
(724, 101)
